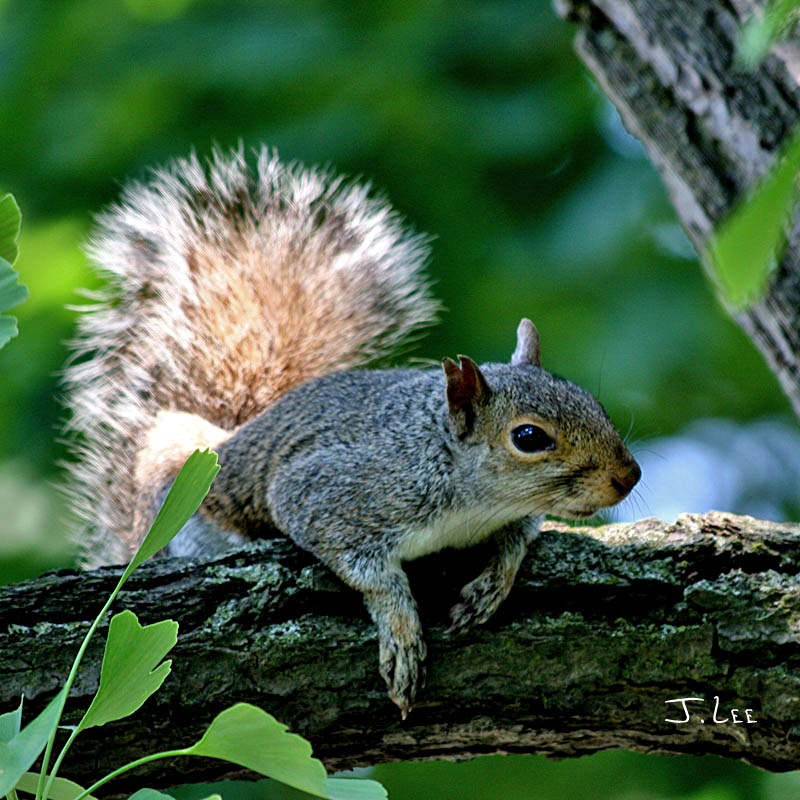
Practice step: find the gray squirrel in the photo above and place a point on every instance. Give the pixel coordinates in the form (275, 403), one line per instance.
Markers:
(241, 303)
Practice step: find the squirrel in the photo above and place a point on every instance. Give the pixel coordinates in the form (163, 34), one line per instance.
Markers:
(244, 303)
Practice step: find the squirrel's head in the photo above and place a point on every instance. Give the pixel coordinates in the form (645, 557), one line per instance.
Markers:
(546, 443)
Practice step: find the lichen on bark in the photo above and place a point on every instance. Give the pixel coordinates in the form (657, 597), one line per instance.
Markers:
(603, 628)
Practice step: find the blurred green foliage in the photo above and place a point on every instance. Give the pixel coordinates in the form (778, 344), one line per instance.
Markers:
(746, 248)
(473, 116)
(764, 27)
(614, 775)
(12, 293)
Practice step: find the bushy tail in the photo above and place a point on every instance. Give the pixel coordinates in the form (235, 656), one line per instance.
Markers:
(228, 287)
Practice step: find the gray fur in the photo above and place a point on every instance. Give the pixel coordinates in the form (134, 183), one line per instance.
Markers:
(368, 469)
(240, 303)
(227, 287)
(528, 350)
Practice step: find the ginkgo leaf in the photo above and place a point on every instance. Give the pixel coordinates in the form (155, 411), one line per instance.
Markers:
(132, 667)
(18, 754)
(62, 789)
(151, 794)
(187, 492)
(10, 723)
(10, 220)
(354, 789)
(245, 735)
(12, 293)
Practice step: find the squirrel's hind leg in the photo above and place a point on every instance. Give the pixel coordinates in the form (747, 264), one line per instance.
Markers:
(481, 597)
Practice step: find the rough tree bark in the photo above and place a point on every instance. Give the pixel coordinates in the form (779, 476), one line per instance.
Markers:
(710, 129)
(601, 631)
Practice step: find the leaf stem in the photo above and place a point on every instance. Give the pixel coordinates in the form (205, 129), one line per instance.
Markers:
(184, 497)
(60, 758)
(43, 790)
(129, 766)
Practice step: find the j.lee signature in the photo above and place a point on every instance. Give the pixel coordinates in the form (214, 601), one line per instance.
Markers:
(737, 716)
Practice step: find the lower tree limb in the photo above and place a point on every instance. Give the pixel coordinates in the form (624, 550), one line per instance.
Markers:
(603, 627)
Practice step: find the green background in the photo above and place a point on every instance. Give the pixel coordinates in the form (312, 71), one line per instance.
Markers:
(479, 123)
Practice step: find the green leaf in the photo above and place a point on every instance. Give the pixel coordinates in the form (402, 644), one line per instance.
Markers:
(761, 30)
(8, 329)
(131, 669)
(245, 735)
(10, 723)
(62, 789)
(150, 794)
(18, 754)
(354, 789)
(184, 498)
(10, 220)
(12, 294)
(743, 251)
(187, 492)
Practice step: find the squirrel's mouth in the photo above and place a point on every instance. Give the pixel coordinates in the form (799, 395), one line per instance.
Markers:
(579, 513)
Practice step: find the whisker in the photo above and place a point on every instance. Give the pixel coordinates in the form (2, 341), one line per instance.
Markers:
(598, 393)
(652, 452)
(630, 428)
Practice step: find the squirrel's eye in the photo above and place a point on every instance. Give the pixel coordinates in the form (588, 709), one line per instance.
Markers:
(531, 439)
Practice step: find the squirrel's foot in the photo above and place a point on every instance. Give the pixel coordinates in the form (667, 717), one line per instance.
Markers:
(402, 667)
(479, 600)
(481, 597)
(400, 643)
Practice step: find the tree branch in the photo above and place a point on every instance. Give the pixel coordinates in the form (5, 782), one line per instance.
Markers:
(601, 630)
(710, 129)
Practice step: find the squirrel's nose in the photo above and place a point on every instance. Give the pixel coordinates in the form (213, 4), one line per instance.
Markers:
(625, 481)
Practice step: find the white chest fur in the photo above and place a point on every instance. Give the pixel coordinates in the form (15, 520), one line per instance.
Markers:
(455, 529)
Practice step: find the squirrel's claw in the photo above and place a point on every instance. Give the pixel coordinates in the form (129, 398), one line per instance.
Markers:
(401, 666)
(480, 599)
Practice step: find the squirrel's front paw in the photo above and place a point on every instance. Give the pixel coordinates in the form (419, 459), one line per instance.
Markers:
(479, 600)
(402, 667)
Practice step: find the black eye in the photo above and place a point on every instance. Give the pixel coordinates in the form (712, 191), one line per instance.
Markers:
(531, 439)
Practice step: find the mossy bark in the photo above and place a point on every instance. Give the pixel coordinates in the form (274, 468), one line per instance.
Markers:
(604, 627)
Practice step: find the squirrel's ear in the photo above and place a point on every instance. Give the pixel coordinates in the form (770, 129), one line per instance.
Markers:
(466, 389)
(527, 351)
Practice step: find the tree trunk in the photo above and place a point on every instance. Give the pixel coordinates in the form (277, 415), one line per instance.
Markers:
(710, 129)
(602, 630)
